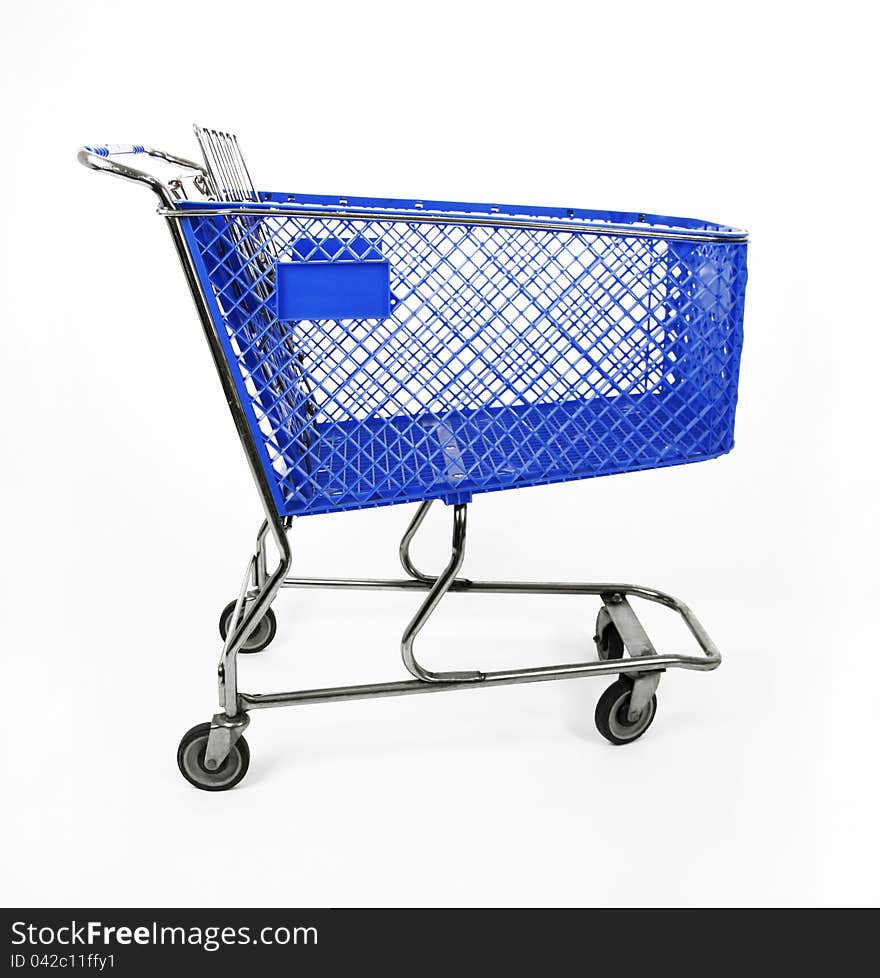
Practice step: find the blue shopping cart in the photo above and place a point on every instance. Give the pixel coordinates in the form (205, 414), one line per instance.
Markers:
(379, 351)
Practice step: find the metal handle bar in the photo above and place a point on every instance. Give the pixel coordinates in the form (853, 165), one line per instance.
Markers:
(99, 158)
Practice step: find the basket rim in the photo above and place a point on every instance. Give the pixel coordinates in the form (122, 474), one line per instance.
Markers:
(624, 223)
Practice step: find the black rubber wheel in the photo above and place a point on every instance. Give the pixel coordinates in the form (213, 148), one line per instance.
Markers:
(191, 761)
(612, 709)
(609, 644)
(259, 638)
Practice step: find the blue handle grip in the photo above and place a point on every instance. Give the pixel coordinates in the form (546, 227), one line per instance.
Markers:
(115, 149)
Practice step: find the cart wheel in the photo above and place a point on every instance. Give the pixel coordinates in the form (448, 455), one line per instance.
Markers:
(611, 713)
(191, 761)
(609, 644)
(259, 638)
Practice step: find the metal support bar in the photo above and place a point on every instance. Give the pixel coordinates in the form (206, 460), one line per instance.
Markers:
(259, 701)
(462, 586)
(249, 611)
(438, 587)
(405, 559)
(646, 666)
(260, 571)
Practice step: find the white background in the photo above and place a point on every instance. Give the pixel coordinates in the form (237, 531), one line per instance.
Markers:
(128, 512)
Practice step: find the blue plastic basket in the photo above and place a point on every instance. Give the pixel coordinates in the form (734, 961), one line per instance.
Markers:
(417, 350)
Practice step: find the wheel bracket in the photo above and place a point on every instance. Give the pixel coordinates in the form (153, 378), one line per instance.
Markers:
(644, 687)
(639, 646)
(225, 731)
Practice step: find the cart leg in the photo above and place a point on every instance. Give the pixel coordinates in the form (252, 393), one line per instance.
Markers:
(260, 572)
(439, 587)
(406, 560)
(226, 727)
(413, 528)
(261, 637)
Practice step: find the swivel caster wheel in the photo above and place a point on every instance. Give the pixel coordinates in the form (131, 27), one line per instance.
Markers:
(191, 761)
(612, 713)
(609, 644)
(259, 638)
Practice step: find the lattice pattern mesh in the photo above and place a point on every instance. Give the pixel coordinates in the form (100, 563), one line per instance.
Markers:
(511, 357)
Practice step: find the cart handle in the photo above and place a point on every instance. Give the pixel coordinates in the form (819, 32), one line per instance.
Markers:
(99, 158)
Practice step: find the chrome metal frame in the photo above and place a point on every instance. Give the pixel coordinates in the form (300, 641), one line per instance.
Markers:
(260, 586)
(352, 213)
(644, 664)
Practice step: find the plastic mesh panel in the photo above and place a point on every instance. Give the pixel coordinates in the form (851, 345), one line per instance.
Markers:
(510, 357)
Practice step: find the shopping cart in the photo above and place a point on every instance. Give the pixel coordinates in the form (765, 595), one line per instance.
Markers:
(377, 351)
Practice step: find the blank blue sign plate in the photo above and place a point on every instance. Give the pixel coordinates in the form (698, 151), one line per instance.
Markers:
(333, 289)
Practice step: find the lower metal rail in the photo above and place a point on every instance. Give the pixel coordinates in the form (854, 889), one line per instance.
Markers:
(644, 664)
